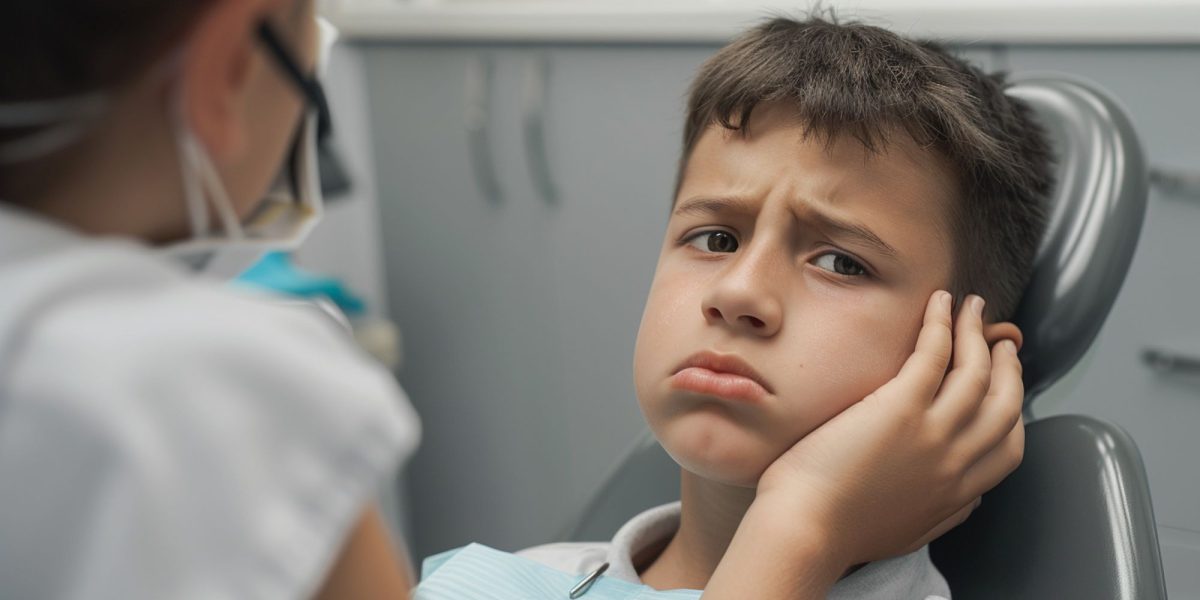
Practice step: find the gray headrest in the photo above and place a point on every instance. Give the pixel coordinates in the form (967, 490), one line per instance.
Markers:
(1094, 221)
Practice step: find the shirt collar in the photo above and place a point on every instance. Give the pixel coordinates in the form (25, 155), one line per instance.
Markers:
(908, 576)
(649, 527)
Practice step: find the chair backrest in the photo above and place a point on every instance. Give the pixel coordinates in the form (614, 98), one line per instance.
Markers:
(645, 477)
(1095, 219)
(1075, 519)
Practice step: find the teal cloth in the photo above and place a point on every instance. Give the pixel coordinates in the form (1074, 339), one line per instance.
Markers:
(276, 272)
(477, 572)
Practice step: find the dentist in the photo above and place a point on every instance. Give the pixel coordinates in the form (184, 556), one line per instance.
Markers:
(163, 436)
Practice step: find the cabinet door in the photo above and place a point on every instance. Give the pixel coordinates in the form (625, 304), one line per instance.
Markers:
(614, 129)
(468, 288)
(520, 311)
(1157, 306)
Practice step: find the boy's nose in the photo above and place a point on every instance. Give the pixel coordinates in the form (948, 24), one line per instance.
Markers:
(743, 301)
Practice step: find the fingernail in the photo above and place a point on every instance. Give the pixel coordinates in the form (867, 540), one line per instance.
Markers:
(946, 299)
(977, 305)
(1010, 346)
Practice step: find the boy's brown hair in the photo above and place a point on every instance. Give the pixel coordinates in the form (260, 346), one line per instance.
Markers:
(867, 82)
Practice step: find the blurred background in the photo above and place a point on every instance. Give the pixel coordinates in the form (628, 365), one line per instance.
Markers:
(512, 163)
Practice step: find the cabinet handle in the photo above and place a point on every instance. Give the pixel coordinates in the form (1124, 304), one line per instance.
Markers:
(478, 93)
(1176, 182)
(533, 103)
(1168, 361)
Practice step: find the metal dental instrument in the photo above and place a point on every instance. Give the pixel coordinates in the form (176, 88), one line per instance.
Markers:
(585, 584)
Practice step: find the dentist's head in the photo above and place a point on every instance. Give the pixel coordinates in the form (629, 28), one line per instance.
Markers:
(164, 120)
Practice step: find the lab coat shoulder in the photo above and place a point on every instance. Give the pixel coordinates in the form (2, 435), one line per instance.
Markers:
(189, 441)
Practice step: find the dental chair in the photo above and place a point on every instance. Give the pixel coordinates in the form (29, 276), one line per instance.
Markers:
(1075, 519)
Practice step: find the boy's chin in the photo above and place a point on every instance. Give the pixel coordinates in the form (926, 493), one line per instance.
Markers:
(721, 453)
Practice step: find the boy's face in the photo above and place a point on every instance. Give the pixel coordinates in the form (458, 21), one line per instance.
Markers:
(809, 263)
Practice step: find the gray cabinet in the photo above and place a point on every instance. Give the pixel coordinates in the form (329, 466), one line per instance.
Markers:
(520, 311)
(465, 281)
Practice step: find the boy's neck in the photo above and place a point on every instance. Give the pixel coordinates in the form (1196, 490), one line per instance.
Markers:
(711, 513)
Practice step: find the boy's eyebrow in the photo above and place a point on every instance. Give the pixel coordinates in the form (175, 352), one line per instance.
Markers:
(713, 206)
(853, 230)
(842, 227)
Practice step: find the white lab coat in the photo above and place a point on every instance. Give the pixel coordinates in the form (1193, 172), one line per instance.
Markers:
(162, 437)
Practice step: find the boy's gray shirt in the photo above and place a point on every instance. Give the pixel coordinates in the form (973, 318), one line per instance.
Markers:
(912, 576)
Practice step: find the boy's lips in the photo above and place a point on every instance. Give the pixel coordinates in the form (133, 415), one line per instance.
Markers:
(720, 375)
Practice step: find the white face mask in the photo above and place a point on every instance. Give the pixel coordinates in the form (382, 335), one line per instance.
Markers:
(282, 219)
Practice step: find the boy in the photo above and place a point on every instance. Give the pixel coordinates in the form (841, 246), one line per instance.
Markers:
(833, 176)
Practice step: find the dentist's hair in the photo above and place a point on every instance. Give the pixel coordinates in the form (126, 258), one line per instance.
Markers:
(52, 49)
(869, 83)
(53, 53)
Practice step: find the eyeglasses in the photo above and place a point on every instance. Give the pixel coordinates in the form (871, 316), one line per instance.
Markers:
(307, 84)
(333, 176)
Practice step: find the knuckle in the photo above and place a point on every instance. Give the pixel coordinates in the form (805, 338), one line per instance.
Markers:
(937, 357)
(1016, 451)
(1012, 415)
(965, 514)
(1018, 389)
(941, 357)
(945, 320)
(979, 381)
(953, 468)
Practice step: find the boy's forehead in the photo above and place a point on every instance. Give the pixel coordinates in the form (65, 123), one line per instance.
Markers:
(899, 186)
(776, 147)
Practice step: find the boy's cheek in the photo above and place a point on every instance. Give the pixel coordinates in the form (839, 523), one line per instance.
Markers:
(835, 379)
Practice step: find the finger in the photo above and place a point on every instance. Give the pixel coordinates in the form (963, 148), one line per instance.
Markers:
(958, 518)
(997, 464)
(1000, 410)
(967, 383)
(969, 346)
(922, 373)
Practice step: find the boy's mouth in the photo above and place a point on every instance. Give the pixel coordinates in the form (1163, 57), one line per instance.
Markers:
(720, 375)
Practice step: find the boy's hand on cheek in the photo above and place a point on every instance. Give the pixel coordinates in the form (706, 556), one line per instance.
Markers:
(909, 462)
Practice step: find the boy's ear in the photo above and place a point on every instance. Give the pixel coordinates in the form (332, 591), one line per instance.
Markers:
(995, 332)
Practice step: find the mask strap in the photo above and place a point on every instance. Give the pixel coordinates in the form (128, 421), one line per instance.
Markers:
(230, 224)
(201, 182)
(34, 113)
(40, 144)
(62, 122)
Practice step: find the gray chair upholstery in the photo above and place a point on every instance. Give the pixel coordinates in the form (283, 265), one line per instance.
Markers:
(1095, 219)
(645, 477)
(1075, 519)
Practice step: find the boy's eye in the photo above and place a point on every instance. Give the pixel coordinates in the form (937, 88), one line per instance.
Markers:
(714, 241)
(840, 264)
